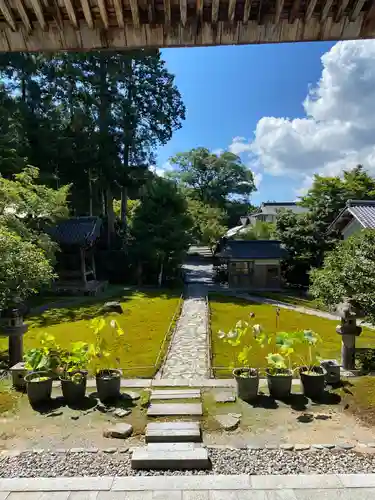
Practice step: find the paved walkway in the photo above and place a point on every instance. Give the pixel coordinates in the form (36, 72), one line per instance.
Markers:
(241, 487)
(188, 354)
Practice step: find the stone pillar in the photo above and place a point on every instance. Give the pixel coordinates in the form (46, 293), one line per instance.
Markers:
(15, 349)
(15, 329)
(348, 331)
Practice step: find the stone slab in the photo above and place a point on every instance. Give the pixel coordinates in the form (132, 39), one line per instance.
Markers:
(357, 480)
(172, 446)
(173, 432)
(225, 397)
(228, 422)
(182, 482)
(174, 409)
(144, 458)
(120, 431)
(294, 481)
(57, 484)
(175, 394)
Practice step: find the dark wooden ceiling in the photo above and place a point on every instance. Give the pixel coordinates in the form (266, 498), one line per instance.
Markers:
(92, 24)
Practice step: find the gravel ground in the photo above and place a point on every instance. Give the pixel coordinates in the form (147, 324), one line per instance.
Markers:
(29, 464)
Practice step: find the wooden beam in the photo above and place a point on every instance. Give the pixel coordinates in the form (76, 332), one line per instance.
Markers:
(215, 10)
(183, 11)
(294, 10)
(103, 13)
(341, 9)
(326, 9)
(39, 13)
(310, 10)
(231, 10)
(151, 11)
(369, 22)
(120, 13)
(71, 13)
(167, 11)
(135, 13)
(23, 15)
(356, 9)
(199, 9)
(87, 13)
(279, 9)
(246, 10)
(5, 9)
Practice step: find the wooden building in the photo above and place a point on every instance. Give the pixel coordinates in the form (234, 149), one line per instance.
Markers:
(75, 267)
(253, 265)
(35, 25)
(356, 216)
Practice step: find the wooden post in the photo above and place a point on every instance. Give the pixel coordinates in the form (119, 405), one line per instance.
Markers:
(93, 264)
(83, 265)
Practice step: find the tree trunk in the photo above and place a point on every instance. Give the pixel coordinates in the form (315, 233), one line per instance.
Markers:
(110, 216)
(160, 278)
(90, 194)
(124, 203)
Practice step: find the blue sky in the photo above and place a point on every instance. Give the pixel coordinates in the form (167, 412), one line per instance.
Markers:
(227, 90)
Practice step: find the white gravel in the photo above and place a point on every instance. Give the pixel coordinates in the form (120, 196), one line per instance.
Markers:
(224, 461)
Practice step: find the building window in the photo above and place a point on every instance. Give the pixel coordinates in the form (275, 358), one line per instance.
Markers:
(272, 272)
(242, 267)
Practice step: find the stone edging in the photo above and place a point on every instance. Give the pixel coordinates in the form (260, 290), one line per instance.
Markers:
(241, 482)
(250, 447)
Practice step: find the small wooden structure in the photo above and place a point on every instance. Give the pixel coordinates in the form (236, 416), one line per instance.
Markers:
(75, 267)
(51, 25)
(252, 264)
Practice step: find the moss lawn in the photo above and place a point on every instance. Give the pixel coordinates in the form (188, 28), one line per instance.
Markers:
(146, 318)
(226, 311)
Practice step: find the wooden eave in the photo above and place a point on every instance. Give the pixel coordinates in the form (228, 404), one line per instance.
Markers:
(51, 25)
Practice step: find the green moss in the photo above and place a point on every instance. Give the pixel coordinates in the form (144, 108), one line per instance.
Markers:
(226, 311)
(358, 398)
(290, 298)
(146, 318)
(8, 398)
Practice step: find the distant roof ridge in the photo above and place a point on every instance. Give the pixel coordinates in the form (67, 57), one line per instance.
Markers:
(351, 203)
(256, 241)
(279, 203)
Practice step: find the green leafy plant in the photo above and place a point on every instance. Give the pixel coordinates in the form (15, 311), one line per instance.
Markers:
(103, 353)
(247, 333)
(46, 357)
(366, 361)
(75, 361)
(309, 339)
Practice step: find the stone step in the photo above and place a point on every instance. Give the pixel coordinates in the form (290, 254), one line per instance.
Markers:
(173, 446)
(174, 409)
(145, 458)
(172, 432)
(175, 394)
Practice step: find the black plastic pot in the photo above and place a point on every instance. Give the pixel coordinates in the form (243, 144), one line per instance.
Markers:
(247, 380)
(280, 384)
(108, 383)
(313, 385)
(74, 390)
(38, 391)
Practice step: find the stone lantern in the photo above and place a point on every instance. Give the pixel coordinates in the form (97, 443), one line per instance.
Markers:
(14, 328)
(348, 330)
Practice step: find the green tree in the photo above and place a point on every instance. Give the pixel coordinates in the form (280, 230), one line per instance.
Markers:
(305, 236)
(259, 231)
(348, 272)
(160, 228)
(213, 178)
(208, 223)
(26, 251)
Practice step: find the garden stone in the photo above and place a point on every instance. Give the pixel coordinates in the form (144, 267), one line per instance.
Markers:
(235, 415)
(74, 417)
(118, 431)
(301, 447)
(134, 396)
(346, 446)
(286, 447)
(112, 307)
(110, 450)
(228, 422)
(119, 412)
(54, 414)
(328, 446)
(225, 397)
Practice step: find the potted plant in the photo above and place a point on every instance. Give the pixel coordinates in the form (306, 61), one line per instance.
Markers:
(73, 372)
(246, 376)
(312, 374)
(41, 363)
(104, 360)
(279, 370)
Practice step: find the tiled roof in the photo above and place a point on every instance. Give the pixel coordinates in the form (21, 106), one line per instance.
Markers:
(362, 210)
(254, 249)
(80, 231)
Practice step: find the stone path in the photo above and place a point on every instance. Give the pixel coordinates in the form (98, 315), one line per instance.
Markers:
(187, 357)
(235, 487)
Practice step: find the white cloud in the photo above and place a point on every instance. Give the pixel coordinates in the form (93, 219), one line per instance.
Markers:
(163, 169)
(257, 179)
(338, 131)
